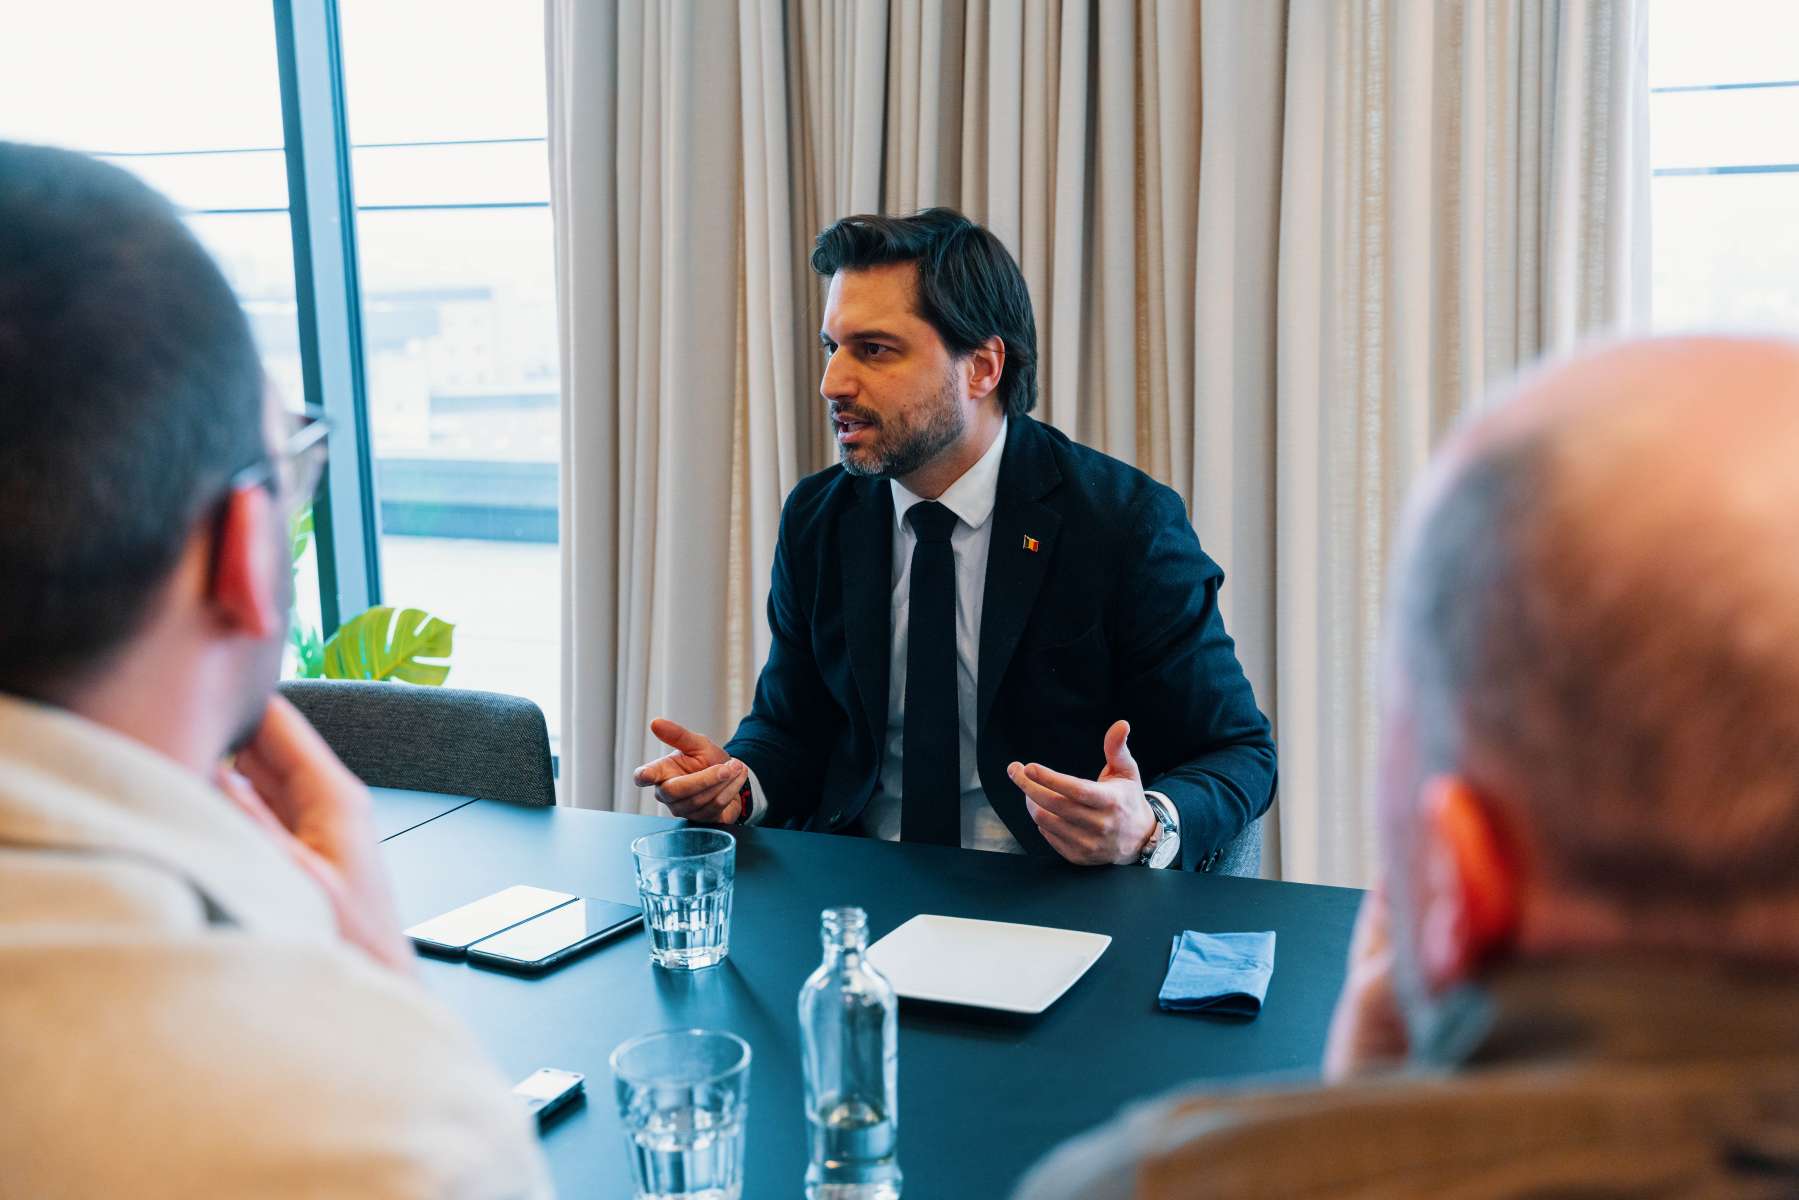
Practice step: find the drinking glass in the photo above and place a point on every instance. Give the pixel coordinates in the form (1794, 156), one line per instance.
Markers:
(685, 879)
(683, 1097)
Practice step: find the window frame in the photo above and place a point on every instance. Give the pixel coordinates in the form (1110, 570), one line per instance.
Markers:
(1753, 85)
(328, 297)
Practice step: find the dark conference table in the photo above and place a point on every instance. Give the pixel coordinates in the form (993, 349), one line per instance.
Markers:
(982, 1095)
(398, 809)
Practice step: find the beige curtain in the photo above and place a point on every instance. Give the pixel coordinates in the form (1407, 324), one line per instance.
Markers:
(1274, 249)
(646, 186)
(812, 76)
(1463, 189)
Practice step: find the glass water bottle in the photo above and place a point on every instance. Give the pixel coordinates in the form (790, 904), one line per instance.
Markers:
(849, 1035)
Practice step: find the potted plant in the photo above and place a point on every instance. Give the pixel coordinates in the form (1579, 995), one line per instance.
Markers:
(380, 643)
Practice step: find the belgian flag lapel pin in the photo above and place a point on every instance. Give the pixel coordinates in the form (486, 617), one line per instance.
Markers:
(1032, 544)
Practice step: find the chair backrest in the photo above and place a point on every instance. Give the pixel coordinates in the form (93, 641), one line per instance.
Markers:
(1243, 854)
(432, 739)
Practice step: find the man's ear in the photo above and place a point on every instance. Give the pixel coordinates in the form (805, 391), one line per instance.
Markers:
(243, 592)
(986, 363)
(1468, 884)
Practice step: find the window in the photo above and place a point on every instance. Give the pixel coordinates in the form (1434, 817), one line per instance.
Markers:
(202, 124)
(445, 105)
(446, 109)
(199, 119)
(1724, 139)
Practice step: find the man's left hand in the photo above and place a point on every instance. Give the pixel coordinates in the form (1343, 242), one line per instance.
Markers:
(1087, 821)
(1368, 1030)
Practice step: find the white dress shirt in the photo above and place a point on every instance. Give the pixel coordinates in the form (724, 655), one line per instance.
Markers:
(971, 498)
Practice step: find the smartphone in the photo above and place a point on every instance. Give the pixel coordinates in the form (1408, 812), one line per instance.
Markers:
(453, 932)
(548, 1091)
(561, 933)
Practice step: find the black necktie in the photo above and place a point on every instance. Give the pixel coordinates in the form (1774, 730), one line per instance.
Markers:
(931, 776)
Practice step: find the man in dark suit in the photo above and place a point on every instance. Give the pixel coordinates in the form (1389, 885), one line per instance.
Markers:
(983, 634)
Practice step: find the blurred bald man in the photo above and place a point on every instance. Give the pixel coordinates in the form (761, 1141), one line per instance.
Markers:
(1582, 977)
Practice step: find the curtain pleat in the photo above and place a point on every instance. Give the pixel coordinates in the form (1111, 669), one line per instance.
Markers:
(1461, 193)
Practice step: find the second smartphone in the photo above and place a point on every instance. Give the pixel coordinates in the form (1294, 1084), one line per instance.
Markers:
(561, 933)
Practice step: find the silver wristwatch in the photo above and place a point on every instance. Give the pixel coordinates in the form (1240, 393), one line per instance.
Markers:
(1165, 844)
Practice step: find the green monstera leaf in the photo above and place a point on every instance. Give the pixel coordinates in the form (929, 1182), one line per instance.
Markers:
(388, 643)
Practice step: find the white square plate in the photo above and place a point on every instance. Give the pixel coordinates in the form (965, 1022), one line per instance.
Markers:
(987, 964)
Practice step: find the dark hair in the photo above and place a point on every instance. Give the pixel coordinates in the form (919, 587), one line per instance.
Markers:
(969, 286)
(130, 392)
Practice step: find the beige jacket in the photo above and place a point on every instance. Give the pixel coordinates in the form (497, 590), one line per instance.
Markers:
(1670, 1077)
(178, 1017)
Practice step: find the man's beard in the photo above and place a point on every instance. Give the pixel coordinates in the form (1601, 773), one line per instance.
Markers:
(262, 671)
(248, 726)
(907, 448)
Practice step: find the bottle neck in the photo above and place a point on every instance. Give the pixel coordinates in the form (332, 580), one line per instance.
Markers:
(844, 932)
(843, 957)
(845, 947)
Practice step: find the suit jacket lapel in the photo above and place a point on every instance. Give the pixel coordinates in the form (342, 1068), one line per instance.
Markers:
(865, 545)
(1018, 556)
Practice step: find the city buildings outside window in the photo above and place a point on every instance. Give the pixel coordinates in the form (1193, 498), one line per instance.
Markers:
(1724, 145)
(445, 108)
(447, 116)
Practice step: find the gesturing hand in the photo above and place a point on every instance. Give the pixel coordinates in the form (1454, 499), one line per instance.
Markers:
(1090, 821)
(289, 782)
(698, 781)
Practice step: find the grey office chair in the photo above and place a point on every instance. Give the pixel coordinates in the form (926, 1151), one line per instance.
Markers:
(432, 739)
(1242, 855)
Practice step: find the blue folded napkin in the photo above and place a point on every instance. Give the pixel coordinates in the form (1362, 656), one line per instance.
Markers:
(1222, 973)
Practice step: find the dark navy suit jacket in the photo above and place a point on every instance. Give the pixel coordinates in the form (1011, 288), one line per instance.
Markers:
(1115, 614)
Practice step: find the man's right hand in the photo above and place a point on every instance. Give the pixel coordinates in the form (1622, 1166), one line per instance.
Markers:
(288, 781)
(698, 780)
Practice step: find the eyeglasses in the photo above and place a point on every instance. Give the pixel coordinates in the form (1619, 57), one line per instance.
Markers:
(296, 470)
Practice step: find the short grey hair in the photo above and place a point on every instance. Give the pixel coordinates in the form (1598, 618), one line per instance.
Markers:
(1608, 692)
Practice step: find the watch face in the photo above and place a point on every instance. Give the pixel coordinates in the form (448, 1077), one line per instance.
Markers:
(1167, 842)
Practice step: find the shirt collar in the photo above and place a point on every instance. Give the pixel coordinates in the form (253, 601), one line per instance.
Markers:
(971, 497)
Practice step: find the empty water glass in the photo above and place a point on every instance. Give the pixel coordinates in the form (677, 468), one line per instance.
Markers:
(685, 878)
(683, 1097)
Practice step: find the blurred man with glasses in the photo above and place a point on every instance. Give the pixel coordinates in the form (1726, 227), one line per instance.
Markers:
(203, 985)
